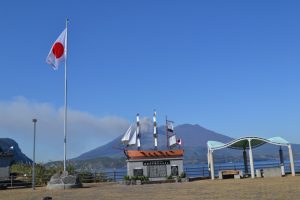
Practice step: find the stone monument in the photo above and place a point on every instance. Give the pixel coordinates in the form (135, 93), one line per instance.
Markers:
(64, 181)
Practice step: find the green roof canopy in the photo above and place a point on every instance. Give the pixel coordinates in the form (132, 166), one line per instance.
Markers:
(246, 143)
(243, 143)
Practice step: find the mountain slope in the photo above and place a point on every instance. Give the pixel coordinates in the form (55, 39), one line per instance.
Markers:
(194, 139)
(6, 143)
(195, 135)
(111, 149)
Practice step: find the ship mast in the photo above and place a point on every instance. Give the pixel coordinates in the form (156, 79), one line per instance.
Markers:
(167, 133)
(138, 131)
(155, 130)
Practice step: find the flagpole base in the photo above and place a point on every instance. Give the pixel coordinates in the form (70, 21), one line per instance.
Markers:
(64, 181)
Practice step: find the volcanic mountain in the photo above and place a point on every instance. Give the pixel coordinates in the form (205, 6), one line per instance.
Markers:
(194, 138)
(194, 142)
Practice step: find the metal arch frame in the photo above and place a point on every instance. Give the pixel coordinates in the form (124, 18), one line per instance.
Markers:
(248, 138)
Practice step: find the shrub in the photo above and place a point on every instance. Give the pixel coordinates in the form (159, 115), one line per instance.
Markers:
(41, 174)
(182, 175)
(135, 178)
(170, 177)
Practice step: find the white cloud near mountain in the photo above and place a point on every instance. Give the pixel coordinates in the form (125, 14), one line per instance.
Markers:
(85, 131)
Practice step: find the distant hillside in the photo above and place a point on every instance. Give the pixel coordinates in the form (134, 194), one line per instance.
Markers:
(195, 135)
(93, 165)
(194, 139)
(6, 143)
(111, 149)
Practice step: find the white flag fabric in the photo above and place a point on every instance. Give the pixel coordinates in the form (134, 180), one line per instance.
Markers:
(172, 140)
(170, 127)
(58, 51)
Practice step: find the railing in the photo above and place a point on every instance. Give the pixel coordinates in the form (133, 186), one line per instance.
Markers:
(16, 181)
(118, 174)
(108, 176)
(196, 171)
(85, 177)
(202, 171)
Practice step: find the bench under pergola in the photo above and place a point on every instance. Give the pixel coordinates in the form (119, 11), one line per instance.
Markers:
(247, 143)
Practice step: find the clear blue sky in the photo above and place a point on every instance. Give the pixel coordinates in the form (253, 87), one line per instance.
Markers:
(230, 66)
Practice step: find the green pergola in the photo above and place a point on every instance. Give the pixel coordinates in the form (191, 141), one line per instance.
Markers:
(247, 143)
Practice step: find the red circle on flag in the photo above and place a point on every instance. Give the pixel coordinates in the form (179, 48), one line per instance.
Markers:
(58, 50)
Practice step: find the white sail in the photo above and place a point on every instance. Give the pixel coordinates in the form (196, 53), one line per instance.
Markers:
(133, 139)
(172, 140)
(126, 137)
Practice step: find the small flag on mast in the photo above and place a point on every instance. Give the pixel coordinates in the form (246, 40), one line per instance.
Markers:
(179, 141)
(170, 126)
(58, 51)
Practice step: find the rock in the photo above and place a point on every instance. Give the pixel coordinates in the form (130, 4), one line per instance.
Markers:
(56, 179)
(63, 181)
(64, 174)
(70, 179)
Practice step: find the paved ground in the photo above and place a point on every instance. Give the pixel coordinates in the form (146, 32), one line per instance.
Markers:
(260, 188)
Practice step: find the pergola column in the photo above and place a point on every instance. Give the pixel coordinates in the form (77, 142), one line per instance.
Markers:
(212, 168)
(245, 161)
(281, 162)
(251, 159)
(291, 160)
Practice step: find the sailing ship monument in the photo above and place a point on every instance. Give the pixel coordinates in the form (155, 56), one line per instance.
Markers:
(156, 164)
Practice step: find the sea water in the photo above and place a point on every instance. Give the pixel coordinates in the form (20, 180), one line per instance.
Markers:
(197, 170)
(201, 170)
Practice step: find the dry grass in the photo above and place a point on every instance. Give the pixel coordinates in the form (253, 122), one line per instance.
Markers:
(259, 188)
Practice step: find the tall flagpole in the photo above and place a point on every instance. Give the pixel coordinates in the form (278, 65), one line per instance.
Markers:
(66, 99)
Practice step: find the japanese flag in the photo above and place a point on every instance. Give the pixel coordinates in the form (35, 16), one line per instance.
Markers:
(58, 51)
(179, 141)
